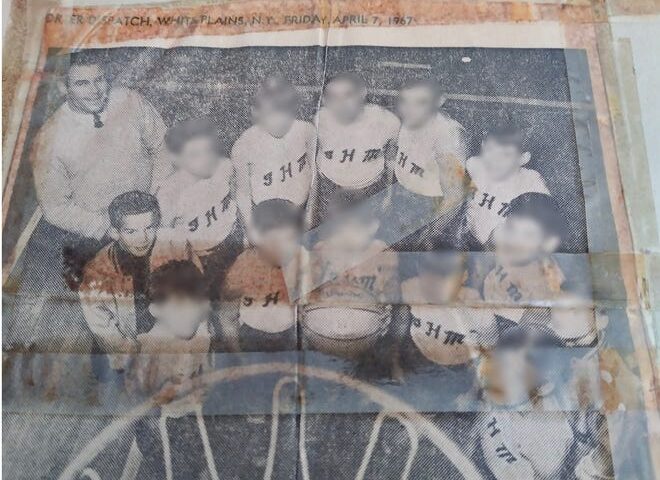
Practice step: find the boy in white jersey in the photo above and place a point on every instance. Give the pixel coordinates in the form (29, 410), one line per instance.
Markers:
(198, 200)
(356, 142)
(430, 162)
(440, 278)
(173, 355)
(544, 445)
(354, 278)
(527, 435)
(499, 175)
(273, 157)
(572, 315)
(440, 330)
(525, 272)
(261, 283)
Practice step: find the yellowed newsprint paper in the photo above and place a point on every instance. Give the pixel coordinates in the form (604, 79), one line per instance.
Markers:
(325, 239)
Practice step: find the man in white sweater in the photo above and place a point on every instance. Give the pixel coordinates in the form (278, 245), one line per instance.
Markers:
(101, 142)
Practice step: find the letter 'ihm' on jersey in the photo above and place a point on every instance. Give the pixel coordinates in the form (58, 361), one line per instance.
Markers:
(451, 336)
(206, 210)
(278, 167)
(429, 156)
(488, 207)
(353, 156)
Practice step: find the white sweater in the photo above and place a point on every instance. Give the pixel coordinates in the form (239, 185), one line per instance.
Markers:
(79, 169)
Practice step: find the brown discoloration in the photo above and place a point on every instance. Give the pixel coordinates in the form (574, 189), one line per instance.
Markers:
(595, 39)
(425, 12)
(553, 277)
(21, 138)
(619, 385)
(103, 276)
(12, 55)
(633, 7)
(580, 20)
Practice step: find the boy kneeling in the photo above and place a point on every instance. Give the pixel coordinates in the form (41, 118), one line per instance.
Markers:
(174, 354)
(259, 283)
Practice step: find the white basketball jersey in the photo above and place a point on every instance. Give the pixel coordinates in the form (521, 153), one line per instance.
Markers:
(450, 336)
(526, 444)
(278, 167)
(262, 293)
(534, 283)
(419, 164)
(206, 211)
(488, 207)
(352, 156)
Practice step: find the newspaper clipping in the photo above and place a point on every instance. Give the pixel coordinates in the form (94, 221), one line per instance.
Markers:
(294, 240)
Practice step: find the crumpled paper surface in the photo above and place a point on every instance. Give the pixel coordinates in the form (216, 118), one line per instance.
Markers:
(404, 335)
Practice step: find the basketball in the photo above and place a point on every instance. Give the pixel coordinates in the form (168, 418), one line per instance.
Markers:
(344, 331)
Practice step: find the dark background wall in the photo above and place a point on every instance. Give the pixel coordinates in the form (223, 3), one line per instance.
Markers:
(190, 81)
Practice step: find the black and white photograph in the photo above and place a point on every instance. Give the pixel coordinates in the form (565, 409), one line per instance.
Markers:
(309, 262)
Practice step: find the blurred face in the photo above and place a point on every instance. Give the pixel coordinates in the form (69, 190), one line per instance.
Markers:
(87, 88)
(276, 121)
(181, 315)
(521, 240)
(344, 99)
(416, 106)
(353, 235)
(199, 157)
(137, 233)
(279, 245)
(501, 160)
(442, 284)
(508, 376)
(572, 318)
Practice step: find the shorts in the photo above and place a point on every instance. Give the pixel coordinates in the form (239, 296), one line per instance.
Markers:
(425, 226)
(326, 189)
(253, 340)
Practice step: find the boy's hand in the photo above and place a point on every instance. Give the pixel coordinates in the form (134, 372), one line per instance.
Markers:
(179, 388)
(172, 390)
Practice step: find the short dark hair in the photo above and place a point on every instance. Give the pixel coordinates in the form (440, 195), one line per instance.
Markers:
(83, 58)
(182, 132)
(177, 278)
(353, 78)
(540, 207)
(87, 57)
(547, 354)
(132, 203)
(508, 132)
(423, 82)
(279, 92)
(276, 213)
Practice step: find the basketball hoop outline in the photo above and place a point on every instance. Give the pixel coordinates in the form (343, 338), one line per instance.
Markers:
(415, 424)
